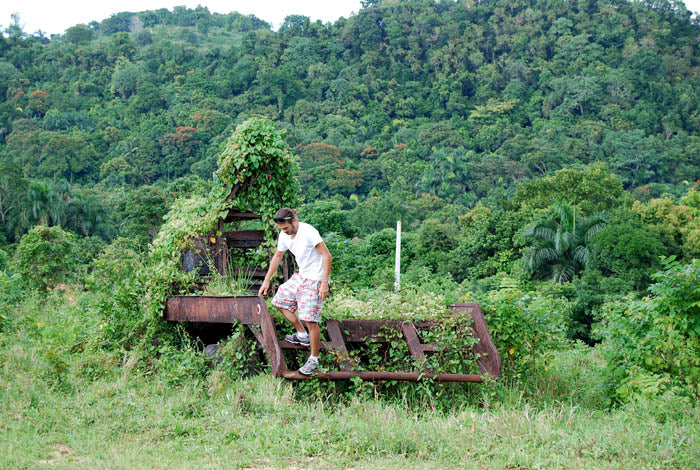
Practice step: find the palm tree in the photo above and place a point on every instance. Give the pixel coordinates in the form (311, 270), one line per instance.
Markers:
(86, 216)
(11, 186)
(42, 203)
(564, 242)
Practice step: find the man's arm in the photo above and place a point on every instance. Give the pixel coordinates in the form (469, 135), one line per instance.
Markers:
(274, 264)
(327, 260)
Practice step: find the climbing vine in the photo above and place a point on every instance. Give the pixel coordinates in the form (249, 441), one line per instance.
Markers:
(257, 174)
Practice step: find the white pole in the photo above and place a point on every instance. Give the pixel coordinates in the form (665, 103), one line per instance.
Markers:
(397, 265)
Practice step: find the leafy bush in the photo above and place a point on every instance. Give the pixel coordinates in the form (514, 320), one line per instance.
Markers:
(115, 265)
(116, 277)
(86, 249)
(11, 291)
(11, 287)
(591, 189)
(239, 355)
(525, 326)
(45, 256)
(369, 262)
(629, 249)
(377, 304)
(327, 216)
(433, 243)
(490, 242)
(654, 343)
(451, 332)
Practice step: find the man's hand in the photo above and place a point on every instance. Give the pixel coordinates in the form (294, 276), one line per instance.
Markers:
(323, 290)
(264, 288)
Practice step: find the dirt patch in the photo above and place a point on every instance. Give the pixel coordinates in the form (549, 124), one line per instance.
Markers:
(68, 293)
(58, 454)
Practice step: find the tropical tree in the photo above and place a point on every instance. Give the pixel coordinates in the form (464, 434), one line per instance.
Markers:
(11, 186)
(35, 207)
(563, 243)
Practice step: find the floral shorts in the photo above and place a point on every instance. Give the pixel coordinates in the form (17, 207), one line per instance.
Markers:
(301, 296)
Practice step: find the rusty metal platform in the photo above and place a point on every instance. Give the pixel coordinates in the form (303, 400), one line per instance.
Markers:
(252, 311)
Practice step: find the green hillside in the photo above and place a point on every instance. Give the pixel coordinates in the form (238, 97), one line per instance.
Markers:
(509, 90)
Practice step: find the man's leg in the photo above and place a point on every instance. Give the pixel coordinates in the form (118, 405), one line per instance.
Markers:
(310, 305)
(285, 301)
(314, 337)
(292, 318)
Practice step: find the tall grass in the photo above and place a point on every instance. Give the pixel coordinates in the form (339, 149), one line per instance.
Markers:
(67, 403)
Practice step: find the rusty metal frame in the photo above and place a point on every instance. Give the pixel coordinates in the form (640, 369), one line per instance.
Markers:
(252, 311)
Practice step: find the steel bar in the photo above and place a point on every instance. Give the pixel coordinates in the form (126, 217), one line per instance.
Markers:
(337, 344)
(326, 346)
(211, 309)
(487, 357)
(368, 375)
(244, 238)
(271, 343)
(414, 344)
(234, 216)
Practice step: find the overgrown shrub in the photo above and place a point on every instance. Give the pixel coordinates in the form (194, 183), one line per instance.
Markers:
(369, 262)
(490, 242)
(525, 326)
(45, 256)
(327, 216)
(87, 248)
(451, 332)
(3, 259)
(116, 279)
(629, 249)
(377, 304)
(256, 161)
(433, 243)
(574, 375)
(115, 265)
(653, 344)
(11, 288)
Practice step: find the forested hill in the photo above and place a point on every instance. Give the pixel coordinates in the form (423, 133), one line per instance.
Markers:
(461, 100)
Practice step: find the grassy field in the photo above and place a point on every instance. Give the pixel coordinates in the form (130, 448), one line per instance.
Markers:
(65, 403)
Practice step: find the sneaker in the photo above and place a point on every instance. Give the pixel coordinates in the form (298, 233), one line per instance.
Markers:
(309, 367)
(294, 339)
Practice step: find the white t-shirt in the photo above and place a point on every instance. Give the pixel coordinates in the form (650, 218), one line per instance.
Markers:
(303, 247)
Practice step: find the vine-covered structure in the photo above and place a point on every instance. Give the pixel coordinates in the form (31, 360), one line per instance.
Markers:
(257, 169)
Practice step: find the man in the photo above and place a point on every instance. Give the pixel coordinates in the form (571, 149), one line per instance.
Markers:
(301, 297)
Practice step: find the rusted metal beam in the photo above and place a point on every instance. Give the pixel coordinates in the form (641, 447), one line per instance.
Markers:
(221, 253)
(337, 344)
(326, 346)
(488, 359)
(270, 342)
(233, 192)
(414, 344)
(368, 375)
(245, 235)
(234, 216)
(210, 309)
(244, 238)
